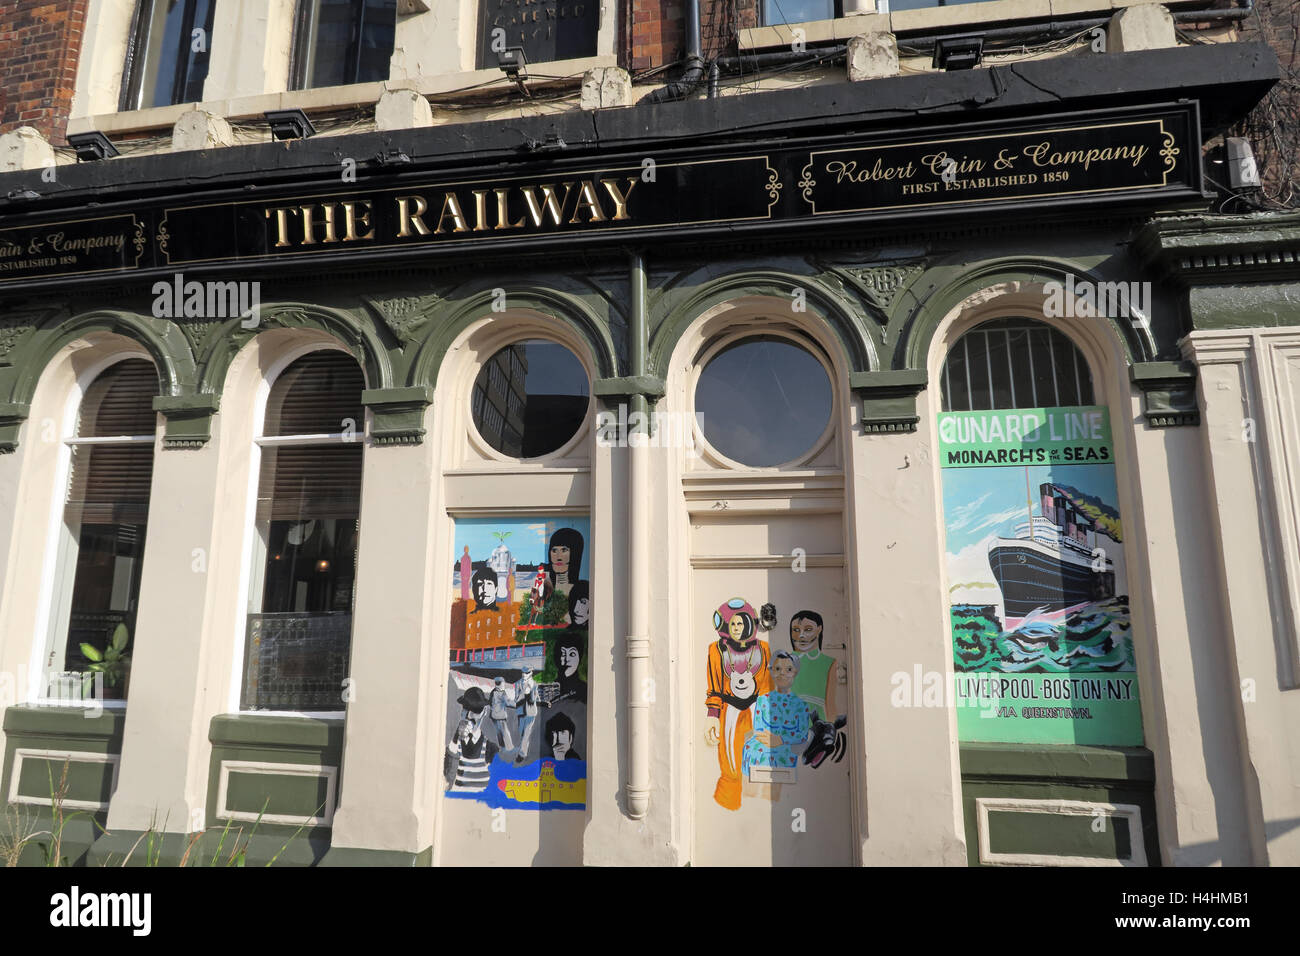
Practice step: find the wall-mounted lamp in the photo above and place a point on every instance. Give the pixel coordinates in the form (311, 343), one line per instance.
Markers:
(513, 63)
(1242, 170)
(92, 146)
(289, 124)
(958, 53)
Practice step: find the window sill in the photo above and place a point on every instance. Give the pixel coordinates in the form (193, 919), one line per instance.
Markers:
(248, 108)
(904, 21)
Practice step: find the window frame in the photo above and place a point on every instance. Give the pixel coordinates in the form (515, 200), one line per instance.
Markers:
(137, 51)
(252, 573)
(304, 32)
(1003, 324)
(480, 443)
(837, 12)
(58, 575)
(737, 335)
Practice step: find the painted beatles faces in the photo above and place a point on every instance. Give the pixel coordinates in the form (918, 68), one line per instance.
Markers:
(765, 711)
(517, 708)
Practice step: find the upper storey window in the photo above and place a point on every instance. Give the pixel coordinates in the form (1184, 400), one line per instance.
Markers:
(797, 11)
(343, 41)
(545, 29)
(167, 55)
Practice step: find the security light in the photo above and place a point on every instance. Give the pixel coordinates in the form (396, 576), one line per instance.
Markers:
(289, 124)
(1242, 171)
(958, 53)
(91, 146)
(512, 62)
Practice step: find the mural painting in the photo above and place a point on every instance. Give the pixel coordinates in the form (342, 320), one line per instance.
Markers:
(517, 693)
(1042, 643)
(773, 715)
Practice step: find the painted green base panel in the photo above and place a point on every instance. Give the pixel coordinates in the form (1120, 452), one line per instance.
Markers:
(356, 856)
(26, 836)
(1051, 834)
(1039, 803)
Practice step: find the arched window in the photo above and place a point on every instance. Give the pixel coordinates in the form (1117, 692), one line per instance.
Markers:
(1014, 363)
(308, 503)
(103, 533)
(1037, 585)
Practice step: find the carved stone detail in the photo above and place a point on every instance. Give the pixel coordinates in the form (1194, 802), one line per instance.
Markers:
(883, 283)
(404, 315)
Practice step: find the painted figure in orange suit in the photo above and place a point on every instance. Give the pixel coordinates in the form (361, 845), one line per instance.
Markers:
(738, 676)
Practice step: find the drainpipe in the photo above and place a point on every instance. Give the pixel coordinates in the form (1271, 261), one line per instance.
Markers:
(638, 560)
(694, 74)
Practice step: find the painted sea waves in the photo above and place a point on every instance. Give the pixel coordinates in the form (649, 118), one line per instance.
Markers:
(1097, 638)
(1038, 589)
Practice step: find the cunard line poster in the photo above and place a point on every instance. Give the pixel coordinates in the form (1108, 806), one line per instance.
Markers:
(1037, 588)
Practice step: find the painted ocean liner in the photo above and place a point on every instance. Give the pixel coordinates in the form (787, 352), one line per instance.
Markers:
(1049, 569)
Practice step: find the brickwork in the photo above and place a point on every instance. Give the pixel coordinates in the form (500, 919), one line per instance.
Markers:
(1273, 127)
(658, 33)
(40, 43)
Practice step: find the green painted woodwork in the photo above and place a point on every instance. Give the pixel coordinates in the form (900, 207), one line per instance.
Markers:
(1168, 392)
(397, 413)
(889, 399)
(279, 794)
(1057, 835)
(1092, 774)
(882, 306)
(274, 740)
(189, 419)
(87, 781)
(68, 729)
(356, 856)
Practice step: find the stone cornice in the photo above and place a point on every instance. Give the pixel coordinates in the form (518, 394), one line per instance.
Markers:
(1214, 249)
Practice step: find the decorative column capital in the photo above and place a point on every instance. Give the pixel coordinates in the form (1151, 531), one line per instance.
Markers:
(189, 419)
(397, 414)
(889, 398)
(1168, 392)
(614, 391)
(12, 416)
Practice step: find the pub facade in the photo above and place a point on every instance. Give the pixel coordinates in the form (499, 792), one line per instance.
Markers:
(892, 465)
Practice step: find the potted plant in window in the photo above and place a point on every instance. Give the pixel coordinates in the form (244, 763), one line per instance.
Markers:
(114, 662)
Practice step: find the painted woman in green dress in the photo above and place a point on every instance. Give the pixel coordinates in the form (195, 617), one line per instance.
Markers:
(818, 673)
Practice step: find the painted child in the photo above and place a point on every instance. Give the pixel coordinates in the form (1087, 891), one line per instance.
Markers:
(782, 722)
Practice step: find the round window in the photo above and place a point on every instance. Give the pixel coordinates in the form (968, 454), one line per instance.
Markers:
(763, 401)
(530, 398)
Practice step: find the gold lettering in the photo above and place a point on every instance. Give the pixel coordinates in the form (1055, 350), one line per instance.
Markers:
(587, 198)
(309, 225)
(620, 199)
(281, 223)
(503, 215)
(480, 210)
(406, 218)
(350, 220)
(451, 210)
(549, 201)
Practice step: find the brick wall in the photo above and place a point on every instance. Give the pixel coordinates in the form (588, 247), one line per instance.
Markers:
(40, 41)
(658, 29)
(1273, 127)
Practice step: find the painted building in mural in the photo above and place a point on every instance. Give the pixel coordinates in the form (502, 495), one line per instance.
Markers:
(870, 446)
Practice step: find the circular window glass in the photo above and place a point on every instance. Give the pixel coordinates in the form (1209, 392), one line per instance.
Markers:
(530, 398)
(763, 401)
